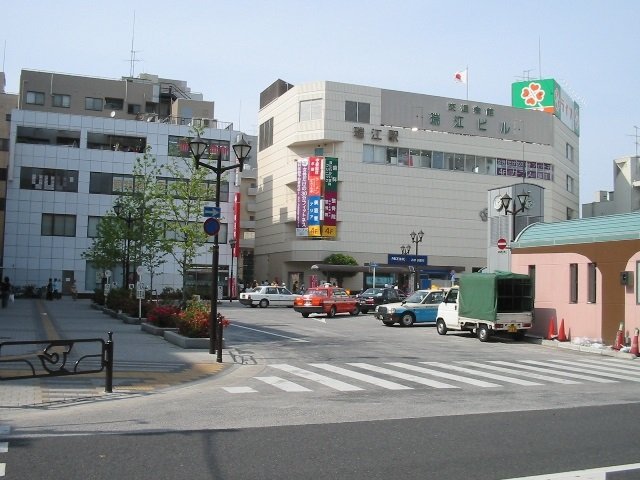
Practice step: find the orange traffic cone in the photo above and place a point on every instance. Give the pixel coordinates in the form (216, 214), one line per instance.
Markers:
(561, 335)
(619, 338)
(634, 344)
(552, 331)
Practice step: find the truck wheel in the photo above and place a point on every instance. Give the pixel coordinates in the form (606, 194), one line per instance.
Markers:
(388, 323)
(406, 320)
(305, 315)
(483, 333)
(264, 303)
(441, 327)
(332, 311)
(355, 311)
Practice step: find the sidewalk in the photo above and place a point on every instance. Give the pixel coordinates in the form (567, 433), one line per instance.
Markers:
(142, 362)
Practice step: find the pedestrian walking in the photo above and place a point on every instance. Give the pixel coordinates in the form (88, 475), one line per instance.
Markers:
(74, 290)
(50, 290)
(5, 290)
(57, 294)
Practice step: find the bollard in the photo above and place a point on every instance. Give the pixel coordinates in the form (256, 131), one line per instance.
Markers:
(108, 363)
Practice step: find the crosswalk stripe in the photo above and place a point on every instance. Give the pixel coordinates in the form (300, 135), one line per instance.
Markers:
(517, 381)
(615, 364)
(403, 376)
(315, 377)
(450, 376)
(362, 377)
(4, 447)
(591, 371)
(551, 371)
(523, 373)
(283, 384)
(239, 389)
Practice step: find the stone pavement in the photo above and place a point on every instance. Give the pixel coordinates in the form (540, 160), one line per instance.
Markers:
(142, 362)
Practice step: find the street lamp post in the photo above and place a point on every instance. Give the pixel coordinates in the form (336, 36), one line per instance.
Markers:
(119, 211)
(416, 238)
(505, 202)
(232, 244)
(406, 249)
(198, 147)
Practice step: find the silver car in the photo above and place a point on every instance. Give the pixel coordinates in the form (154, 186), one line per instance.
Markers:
(266, 295)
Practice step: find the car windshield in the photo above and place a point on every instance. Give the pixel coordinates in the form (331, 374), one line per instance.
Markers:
(372, 291)
(416, 297)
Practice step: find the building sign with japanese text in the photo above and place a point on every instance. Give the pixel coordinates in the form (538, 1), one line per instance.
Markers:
(317, 197)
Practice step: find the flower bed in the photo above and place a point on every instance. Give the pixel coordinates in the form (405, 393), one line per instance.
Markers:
(164, 316)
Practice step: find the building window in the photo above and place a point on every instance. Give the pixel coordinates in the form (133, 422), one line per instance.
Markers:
(91, 103)
(311, 110)
(318, 151)
(92, 227)
(532, 275)
(571, 213)
(359, 112)
(573, 283)
(111, 103)
(266, 135)
(58, 225)
(62, 101)
(48, 179)
(4, 144)
(117, 143)
(179, 147)
(134, 108)
(591, 279)
(569, 184)
(48, 136)
(569, 152)
(35, 98)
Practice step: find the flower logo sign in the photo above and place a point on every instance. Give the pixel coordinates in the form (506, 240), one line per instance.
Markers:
(533, 95)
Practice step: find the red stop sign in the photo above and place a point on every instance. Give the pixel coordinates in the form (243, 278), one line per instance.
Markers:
(502, 243)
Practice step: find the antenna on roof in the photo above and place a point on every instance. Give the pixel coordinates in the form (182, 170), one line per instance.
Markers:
(635, 135)
(132, 61)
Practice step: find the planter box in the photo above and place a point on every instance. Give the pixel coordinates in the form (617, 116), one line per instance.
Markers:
(153, 330)
(129, 320)
(186, 342)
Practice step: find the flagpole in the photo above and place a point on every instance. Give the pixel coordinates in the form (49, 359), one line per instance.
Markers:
(467, 83)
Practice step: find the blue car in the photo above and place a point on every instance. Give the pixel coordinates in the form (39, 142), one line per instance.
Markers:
(420, 307)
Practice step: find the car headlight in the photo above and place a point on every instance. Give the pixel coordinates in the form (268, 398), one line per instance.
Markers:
(392, 310)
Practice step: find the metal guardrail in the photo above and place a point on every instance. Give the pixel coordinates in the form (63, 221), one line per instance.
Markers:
(51, 361)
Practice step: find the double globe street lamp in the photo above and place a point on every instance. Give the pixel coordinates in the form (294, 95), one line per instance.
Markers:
(198, 148)
(416, 238)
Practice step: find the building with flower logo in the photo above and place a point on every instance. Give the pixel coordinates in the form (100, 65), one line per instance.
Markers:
(356, 169)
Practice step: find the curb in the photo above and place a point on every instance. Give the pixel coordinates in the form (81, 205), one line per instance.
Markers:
(607, 351)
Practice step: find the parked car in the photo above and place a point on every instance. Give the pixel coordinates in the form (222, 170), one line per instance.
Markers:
(419, 307)
(372, 297)
(266, 295)
(327, 300)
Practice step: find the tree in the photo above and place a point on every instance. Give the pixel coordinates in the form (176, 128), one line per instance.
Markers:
(182, 205)
(341, 259)
(107, 249)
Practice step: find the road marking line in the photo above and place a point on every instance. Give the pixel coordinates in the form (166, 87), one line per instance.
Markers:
(283, 384)
(525, 373)
(4, 447)
(362, 377)
(591, 474)
(435, 373)
(2, 469)
(584, 370)
(604, 368)
(269, 333)
(329, 382)
(239, 389)
(5, 429)
(403, 376)
(614, 362)
(517, 381)
(550, 371)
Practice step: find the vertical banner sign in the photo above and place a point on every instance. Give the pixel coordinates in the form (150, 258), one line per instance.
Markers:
(330, 197)
(236, 225)
(302, 198)
(316, 212)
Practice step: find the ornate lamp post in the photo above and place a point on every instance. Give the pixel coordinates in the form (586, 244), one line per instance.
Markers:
(198, 147)
(128, 219)
(406, 249)
(505, 202)
(232, 244)
(417, 238)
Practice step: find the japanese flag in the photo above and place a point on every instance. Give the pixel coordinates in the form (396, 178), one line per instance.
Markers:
(461, 76)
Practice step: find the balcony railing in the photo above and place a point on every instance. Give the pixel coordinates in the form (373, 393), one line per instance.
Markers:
(188, 121)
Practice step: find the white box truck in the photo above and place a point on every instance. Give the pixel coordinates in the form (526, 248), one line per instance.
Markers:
(486, 303)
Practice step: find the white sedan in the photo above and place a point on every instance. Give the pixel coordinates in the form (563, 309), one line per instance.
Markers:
(265, 295)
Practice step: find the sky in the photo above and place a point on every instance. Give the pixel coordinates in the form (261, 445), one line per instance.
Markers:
(230, 51)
